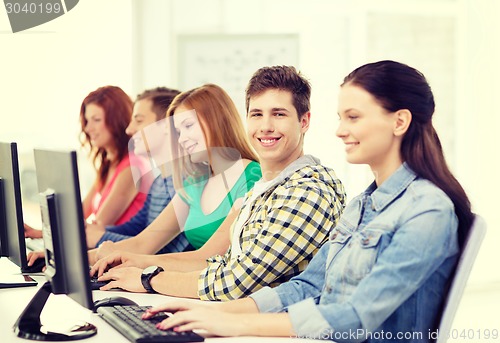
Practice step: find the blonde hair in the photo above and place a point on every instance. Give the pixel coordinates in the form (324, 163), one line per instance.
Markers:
(221, 125)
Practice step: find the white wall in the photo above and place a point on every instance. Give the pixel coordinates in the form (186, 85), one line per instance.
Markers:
(477, 163)
(46, 71)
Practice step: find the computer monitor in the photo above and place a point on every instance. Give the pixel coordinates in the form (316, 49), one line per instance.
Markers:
(66, 257)
(12, 242)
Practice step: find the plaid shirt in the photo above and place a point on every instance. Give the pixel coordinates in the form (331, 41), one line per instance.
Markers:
(287, 225)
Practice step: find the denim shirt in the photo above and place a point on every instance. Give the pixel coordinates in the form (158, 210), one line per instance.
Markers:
(383, 274)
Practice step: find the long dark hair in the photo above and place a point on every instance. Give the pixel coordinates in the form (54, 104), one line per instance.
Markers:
(397, 86)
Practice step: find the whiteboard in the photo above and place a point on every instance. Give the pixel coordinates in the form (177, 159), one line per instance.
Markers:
(229, 60)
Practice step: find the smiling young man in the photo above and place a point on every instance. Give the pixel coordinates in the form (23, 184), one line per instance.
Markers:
(283, 220)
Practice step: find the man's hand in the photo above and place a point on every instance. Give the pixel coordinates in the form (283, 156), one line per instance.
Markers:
(35, 255)
(94, 233)
(104, 249)
(30, 232)
(121, 259)
(128, 279)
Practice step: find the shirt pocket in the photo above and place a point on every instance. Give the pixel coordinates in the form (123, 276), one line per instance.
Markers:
(338, 239)
(360, 255)
(253, 227)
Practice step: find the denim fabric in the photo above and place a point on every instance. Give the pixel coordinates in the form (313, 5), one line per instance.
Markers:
(383, 273)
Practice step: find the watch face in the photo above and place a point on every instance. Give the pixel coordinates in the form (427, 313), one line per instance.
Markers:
(149, 270)
(146, 276)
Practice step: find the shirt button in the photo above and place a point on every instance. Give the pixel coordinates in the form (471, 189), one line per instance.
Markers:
(334, 235)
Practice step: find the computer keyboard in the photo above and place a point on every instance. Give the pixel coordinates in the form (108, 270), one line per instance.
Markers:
(127, 320)
(95, 284)
(36, 267)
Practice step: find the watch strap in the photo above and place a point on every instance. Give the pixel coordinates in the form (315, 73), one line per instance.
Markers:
(146, 278)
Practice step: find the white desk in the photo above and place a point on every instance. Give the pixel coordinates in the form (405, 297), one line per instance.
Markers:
(62, 308)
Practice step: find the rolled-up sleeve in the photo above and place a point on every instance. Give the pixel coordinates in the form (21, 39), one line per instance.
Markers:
(267, 300)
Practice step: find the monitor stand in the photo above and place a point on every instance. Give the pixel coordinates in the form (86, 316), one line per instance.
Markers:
(28, 325)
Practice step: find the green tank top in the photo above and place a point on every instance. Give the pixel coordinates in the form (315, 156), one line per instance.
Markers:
(199, 227)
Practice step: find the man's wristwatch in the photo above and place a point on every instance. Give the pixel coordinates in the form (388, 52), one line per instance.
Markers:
(147, 275)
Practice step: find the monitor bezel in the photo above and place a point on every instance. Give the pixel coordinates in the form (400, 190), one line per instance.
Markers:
(13, 221)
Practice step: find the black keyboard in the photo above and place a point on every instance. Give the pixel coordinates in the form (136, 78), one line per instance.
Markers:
(127, 320)
(95, 285)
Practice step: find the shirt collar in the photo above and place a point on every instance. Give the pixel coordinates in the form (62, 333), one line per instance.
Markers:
(301, 162)
(390, 188)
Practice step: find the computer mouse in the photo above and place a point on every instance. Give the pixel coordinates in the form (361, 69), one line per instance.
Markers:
(113, 301)
(36, 267)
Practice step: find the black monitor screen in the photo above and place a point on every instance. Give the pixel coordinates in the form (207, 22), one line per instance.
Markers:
(12, 243)
(63, 226)
(66, 258)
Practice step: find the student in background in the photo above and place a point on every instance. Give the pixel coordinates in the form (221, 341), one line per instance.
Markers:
(113, 198)
(386, 266)
(213, 168)
(149, 137)
(284, 219)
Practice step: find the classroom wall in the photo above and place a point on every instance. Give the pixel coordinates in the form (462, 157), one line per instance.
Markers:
(45, 72)
(453, 43)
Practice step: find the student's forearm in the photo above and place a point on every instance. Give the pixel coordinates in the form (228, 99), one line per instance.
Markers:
(178, 284)
(197, 260)
(132, 245)
(114, 207)
(182, 262)
(243, 305)
(135, 245)
(87, 202)
(266, 324)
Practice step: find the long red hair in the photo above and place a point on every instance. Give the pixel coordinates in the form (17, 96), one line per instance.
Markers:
(117, 107)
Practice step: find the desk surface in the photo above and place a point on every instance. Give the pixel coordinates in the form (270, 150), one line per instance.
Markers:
(60, 308)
